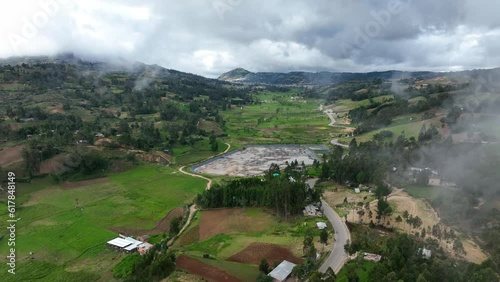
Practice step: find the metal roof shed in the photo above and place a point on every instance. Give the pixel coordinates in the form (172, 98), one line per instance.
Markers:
(282, 271)
(119, 242)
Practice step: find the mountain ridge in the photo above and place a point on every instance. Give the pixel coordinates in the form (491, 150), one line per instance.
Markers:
(298, 78)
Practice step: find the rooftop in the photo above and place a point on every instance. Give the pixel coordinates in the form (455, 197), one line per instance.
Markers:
(282, 271)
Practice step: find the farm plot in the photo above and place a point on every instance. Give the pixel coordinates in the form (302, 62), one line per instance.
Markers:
(255, 160)
(199, 268)
(237, 239)
(257, 251)
(11, 155)
(66, 228)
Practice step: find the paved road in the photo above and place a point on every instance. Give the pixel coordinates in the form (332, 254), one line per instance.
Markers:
(336, 143)
(332, 123)
(330, 115)
(338, 255)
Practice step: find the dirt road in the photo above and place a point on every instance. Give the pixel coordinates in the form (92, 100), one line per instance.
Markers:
(194, 208)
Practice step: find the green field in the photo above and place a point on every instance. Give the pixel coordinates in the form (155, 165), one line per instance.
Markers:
(198, 152)
(363, 269)
(425, 192)
(68, 242)
(280, 118)
(345, 105)
(398, 126)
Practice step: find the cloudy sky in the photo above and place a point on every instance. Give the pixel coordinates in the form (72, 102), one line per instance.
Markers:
(209, 37)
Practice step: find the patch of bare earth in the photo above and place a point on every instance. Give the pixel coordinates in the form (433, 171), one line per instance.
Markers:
(163, 226)
(255, 252)
(54, 164)
(11, 155)
(224, 221)
(421, 208)
(208, 272)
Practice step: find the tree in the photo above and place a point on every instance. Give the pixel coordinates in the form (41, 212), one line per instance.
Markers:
(399, 219)
(264, 266)
(423, 177)
(383, 207)
(264, 278)
(31, 159)
(175, 225)
(458, 246)
(361, 177)
(323, 236)
(215, 147)
(353, 145)
(406, 214)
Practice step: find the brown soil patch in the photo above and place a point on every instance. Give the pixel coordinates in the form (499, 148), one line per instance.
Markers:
(54, 165)
(190, 237)
(78, 184)
(163, 225)
(224, 221)
(103, 141)
(208, 272)
(11, 155)
(57, 111)
(255, 252)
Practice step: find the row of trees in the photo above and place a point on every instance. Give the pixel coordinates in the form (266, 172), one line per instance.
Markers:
(282, 190)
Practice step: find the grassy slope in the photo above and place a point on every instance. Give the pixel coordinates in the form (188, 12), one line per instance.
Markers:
(64, 237)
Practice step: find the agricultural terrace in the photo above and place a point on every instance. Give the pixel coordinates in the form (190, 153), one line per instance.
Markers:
(255, 160)
(66, 226)
(236, 240)
(284, 118)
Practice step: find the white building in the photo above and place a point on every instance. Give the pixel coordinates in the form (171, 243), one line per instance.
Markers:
(282, 271)
(321, 225)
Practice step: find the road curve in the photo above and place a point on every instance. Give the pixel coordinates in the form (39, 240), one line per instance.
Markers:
(193, 207)
(336, 143)
(338, 256)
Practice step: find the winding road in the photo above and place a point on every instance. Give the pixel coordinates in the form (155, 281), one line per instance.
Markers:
(338, 256)
(334, 142)
(194, 208)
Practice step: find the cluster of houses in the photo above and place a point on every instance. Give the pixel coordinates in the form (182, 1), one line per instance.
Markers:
(130, 245)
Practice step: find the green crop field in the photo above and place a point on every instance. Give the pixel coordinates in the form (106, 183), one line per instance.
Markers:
(196, 153)
(425, 192)
(280, 118)
(398, 126)
(345, 105)
(68, 242)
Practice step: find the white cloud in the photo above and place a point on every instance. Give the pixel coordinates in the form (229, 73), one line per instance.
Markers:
(259, 35)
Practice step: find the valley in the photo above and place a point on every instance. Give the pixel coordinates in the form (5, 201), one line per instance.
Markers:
(214, 172)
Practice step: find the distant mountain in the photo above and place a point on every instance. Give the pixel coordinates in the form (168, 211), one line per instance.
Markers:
(240, 75)
(117, 64)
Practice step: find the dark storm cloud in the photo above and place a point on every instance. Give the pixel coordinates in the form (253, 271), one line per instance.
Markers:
(209, 37)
